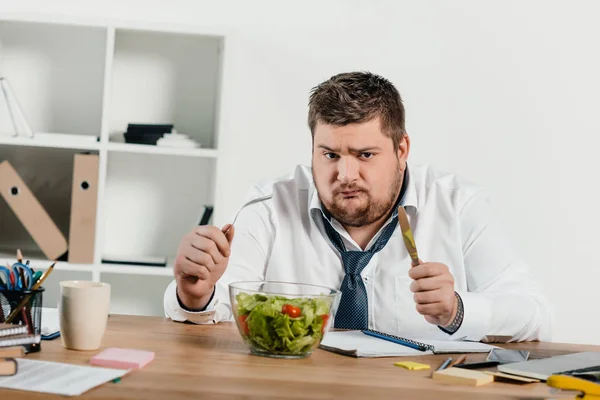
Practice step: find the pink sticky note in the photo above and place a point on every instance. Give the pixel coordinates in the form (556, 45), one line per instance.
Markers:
(114, 357)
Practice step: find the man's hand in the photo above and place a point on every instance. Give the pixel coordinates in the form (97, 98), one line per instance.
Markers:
(201, 259)
(433, 289)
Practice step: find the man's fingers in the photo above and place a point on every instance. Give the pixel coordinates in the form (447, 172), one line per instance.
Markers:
(207, 246)
(429, 297)
(213, 233)
(199, 257)
(426, 284)
(426, 270)
(188, 267)
(433, 309)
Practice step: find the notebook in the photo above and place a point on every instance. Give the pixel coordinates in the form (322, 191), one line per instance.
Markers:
(19, 340)
(357, 344)
(114, 357)
(11, 329)
(50, 323)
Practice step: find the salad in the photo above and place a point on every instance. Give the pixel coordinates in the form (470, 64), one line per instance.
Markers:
(282, 325)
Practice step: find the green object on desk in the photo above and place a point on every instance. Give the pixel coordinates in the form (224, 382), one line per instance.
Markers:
(282, 325)
(116, 380)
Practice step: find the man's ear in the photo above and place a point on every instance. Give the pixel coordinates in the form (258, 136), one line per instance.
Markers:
(403, 149)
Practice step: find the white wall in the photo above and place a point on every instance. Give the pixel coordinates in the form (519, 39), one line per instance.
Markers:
(504, 93)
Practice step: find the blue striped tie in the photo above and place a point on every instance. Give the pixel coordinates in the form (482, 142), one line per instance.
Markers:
(353, 311)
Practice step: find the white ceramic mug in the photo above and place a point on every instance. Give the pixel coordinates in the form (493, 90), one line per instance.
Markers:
(83, 312)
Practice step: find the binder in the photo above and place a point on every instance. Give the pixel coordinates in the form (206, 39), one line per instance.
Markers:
(31, 213)
(84, 199)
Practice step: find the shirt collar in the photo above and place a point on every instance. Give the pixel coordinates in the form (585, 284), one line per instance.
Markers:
(409, 199)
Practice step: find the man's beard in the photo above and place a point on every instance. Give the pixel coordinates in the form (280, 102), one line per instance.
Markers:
(366, 214)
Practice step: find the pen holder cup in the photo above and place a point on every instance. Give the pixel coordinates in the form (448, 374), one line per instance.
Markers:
(30, 314)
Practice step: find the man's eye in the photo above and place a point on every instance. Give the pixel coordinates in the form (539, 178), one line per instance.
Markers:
(366, 155)
(331, 156)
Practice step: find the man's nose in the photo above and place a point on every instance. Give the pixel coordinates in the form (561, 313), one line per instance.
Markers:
(347, 169)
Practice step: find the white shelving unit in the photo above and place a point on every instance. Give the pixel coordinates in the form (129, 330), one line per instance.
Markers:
(90, 80)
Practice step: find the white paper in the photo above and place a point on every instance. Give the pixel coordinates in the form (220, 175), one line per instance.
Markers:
(50, 323)
(58, 378)
(358, 344)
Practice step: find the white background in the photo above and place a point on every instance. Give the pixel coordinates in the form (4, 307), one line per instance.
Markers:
(505, 94)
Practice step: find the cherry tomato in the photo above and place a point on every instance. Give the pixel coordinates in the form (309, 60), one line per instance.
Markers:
(292, 311)
(244, 324)
(325, 318)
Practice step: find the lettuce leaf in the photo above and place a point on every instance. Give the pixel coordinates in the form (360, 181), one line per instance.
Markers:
(271, 330)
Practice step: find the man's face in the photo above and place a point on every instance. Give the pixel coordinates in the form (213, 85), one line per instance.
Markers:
(357, 171)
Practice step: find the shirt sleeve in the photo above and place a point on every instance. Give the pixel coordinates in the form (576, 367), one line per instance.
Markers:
(503, 298)
(252, 242)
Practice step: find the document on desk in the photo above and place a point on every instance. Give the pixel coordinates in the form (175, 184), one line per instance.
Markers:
(58, 378)
(357, 344)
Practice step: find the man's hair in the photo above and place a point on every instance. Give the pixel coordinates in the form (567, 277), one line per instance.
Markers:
(356, 97)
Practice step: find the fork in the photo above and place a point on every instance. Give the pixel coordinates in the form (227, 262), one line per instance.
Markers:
(254, 201)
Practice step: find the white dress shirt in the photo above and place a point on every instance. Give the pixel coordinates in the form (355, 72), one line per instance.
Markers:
(283, 239)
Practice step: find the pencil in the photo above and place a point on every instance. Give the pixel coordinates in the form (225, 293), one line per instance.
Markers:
(43, 277)
(459, 360)
(19, 256)
(445, 364)
(35, 287)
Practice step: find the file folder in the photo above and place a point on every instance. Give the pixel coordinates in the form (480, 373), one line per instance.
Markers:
(84, 198)
(31, 213)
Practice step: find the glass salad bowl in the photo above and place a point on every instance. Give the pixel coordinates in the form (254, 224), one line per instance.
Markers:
(282, 319)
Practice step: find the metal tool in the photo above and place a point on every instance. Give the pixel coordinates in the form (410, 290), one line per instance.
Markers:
(407, 236)
(254, 201)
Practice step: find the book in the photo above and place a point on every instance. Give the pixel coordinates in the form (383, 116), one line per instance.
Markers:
(18, 340)
(358, 344)
(12, 352)
(12, 329)
(8, 366)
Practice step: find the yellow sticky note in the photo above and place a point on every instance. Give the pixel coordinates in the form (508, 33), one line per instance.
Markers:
(411, 365)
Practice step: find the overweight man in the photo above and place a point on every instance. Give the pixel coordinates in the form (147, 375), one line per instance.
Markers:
(335, 224)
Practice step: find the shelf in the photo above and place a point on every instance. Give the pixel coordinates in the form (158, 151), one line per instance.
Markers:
(89, 81)
(151, 203)
(83, 144)
(56, 73)
(45, 264)
(102, 268)
(151, 149)
(166, 78)
(135, 270)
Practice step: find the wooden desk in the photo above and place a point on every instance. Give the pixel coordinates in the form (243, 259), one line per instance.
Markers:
(195, 361)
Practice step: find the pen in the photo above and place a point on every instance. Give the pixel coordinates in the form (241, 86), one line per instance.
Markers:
(25, 300)
(445, 364)
(396, 339)
(459, 360)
